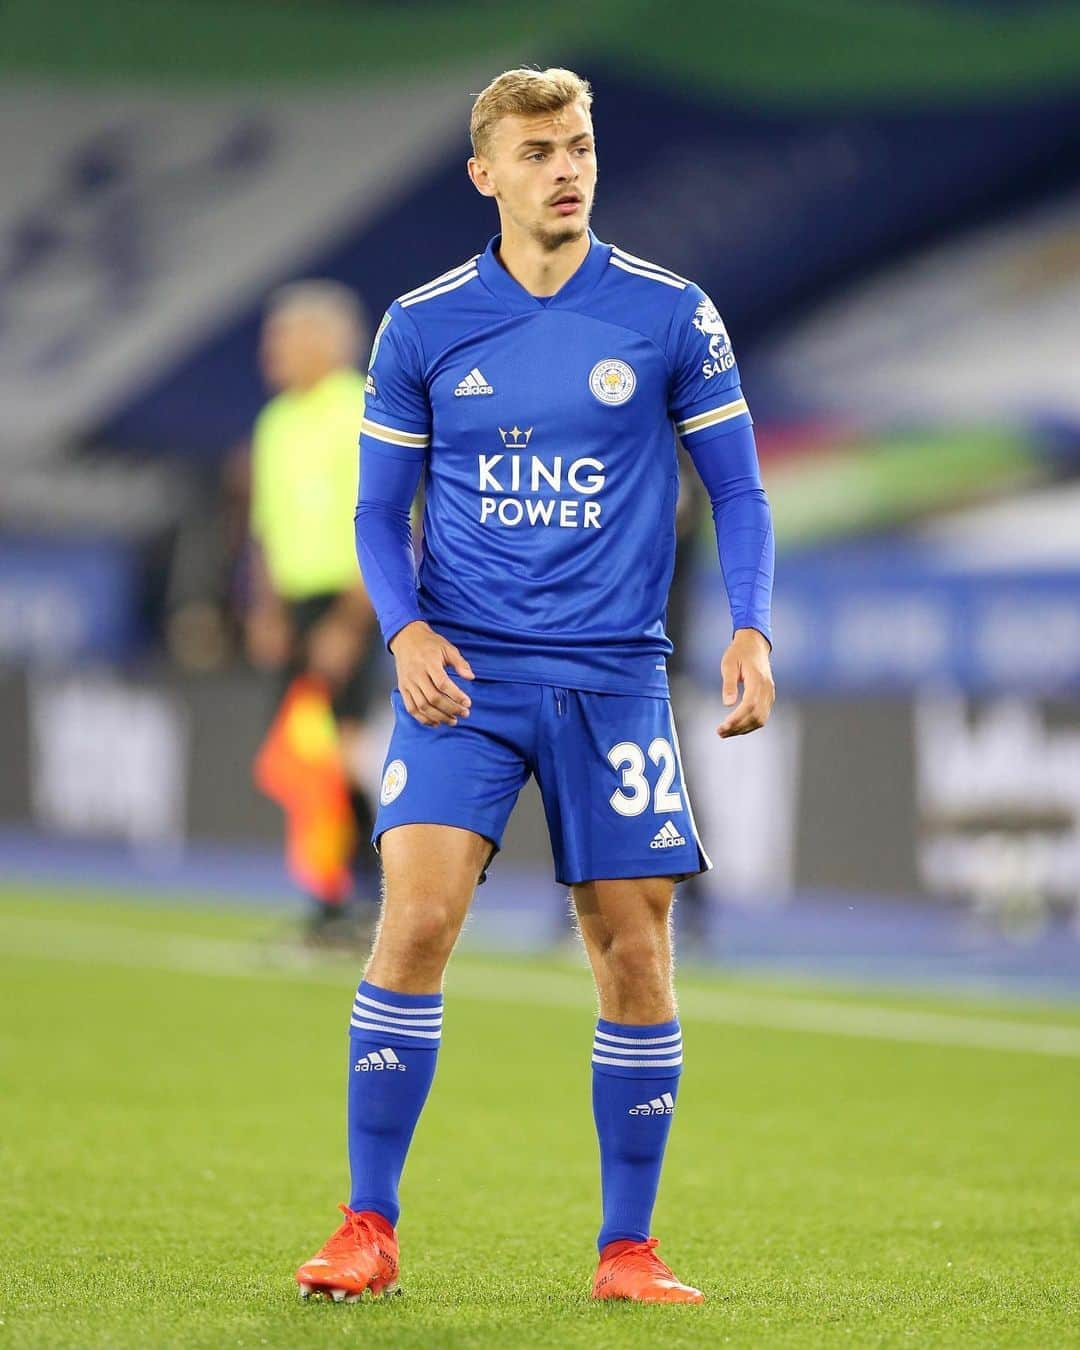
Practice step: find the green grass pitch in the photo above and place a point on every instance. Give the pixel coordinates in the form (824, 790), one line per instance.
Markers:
(845, 1168)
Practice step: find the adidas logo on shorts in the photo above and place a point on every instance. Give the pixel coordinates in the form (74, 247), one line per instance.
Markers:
(473, 383)
(663, 1105)
(667, 836)
(378, 1059)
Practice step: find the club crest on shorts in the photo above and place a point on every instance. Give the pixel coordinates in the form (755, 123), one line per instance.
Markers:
(612, 381)
(393, 781)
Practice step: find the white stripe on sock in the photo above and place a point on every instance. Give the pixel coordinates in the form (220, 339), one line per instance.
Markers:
(658, 1053)
(639, 1063)
(637, 1040)
(386, 1031)
(430, 1011)
(361, 1011)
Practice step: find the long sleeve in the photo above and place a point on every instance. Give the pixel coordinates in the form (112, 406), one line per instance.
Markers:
(384, 544)
(713, 420)
(394, 440)
(728, 465)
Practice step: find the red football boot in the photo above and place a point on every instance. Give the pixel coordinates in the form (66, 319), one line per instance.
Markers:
(630, 1269)
(362, 1254)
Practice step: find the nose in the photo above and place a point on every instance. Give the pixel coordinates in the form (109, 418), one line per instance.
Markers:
(565, 167)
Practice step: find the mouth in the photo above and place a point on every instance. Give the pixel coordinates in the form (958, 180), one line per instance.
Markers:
(567, 204)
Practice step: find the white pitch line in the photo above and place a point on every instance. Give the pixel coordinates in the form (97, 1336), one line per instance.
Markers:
(139, 948)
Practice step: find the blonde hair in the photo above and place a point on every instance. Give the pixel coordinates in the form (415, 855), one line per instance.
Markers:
(524, 92)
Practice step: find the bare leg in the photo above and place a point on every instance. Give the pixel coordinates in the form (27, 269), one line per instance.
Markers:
(626, 927)
(430, 873)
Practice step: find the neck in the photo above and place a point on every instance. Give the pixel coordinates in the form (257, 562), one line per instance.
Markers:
(540, 271)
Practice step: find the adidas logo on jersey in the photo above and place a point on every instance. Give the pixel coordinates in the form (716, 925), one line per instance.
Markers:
(663, 1105)
(473, 383)
(378, 1059)
(667, 836)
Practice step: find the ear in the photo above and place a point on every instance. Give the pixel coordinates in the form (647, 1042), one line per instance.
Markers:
(479, 177)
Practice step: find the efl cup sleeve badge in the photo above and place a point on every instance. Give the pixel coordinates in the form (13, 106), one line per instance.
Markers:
(612, 381)
(709, 323)
(393, 781)
(383, 325)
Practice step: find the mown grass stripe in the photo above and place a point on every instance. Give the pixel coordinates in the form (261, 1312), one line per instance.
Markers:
(118, 945)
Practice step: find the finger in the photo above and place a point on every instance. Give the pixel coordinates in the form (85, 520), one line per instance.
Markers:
(437, 706)
(729, 669)
(432, 694)
(747, 717)
(445, 685)
(454, 659)
(412, 709)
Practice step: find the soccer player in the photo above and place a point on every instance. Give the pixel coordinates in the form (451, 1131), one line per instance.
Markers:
(538, 388)
(310, 610)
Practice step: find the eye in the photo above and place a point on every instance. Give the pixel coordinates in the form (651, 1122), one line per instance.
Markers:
(537, 155)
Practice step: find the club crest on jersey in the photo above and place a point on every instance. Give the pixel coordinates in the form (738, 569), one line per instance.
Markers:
(393, 781)
(709, 323)
(612, 381)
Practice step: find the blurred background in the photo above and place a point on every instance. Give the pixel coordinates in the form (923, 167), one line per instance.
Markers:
(883, 200)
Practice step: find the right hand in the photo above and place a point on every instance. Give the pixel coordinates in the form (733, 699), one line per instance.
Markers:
(429, 694)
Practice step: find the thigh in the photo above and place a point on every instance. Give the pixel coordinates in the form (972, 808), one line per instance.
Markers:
(611, 909)
(466, 776)
(429, 875)
(614, 794)
(625, 927)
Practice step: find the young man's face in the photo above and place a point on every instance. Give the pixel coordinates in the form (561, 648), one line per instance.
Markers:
(542, 172)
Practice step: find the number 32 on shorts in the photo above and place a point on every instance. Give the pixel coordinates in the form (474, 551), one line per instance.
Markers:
(633, 797)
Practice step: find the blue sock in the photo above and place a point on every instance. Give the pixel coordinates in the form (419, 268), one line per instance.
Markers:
(635, 1082)
(393, 1044)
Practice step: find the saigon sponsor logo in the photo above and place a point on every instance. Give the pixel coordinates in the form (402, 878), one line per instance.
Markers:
(529, 489)
(709, 323)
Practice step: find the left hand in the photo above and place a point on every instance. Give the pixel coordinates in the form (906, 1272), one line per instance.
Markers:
(746, 662)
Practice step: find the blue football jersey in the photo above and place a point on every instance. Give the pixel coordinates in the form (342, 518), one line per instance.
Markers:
(548, 430)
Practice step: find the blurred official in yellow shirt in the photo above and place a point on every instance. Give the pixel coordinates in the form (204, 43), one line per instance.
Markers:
(310, 612)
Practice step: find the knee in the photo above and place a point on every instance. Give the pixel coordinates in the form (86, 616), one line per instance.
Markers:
(423, 935)
(636, 959)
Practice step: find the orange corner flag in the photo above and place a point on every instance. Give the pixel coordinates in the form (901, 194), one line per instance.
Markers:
(299, 766)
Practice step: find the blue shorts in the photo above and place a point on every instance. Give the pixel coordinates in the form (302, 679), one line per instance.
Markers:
(607, 766)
